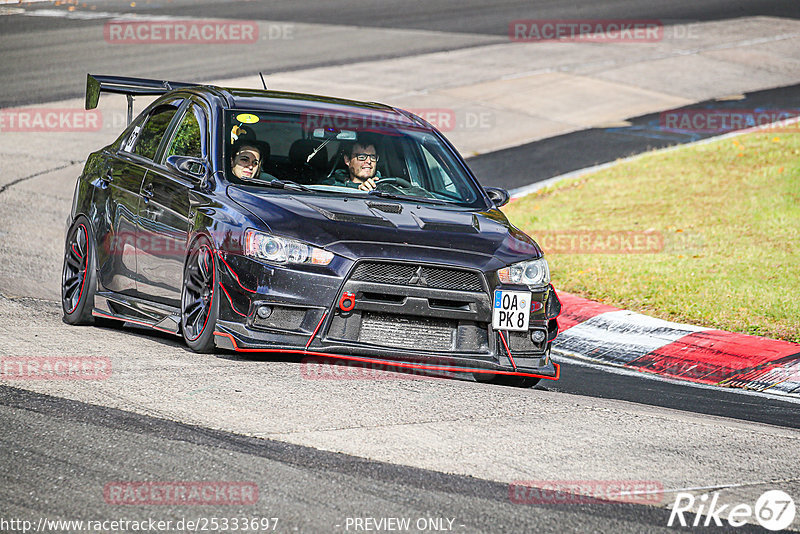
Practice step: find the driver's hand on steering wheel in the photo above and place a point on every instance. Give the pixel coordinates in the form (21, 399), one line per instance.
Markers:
(368, 185)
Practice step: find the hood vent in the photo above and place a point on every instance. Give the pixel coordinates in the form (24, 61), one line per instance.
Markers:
(384, 207)
(356, 218)
(447, 226)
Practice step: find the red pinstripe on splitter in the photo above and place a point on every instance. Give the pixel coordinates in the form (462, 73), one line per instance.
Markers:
(403, 365)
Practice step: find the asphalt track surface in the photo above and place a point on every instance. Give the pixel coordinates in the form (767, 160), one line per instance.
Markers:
(43, 69)
(54, 448)
(591, 381)
(533, 162)
(474, 16)
(307, 489)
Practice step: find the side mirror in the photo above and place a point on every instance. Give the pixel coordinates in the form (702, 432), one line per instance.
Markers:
(498, 195)
(194, 167)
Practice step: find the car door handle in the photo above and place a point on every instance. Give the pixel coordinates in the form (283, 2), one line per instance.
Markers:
(108, 177)
(147, 190)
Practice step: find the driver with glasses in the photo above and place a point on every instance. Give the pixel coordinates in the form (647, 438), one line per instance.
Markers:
(361, 159)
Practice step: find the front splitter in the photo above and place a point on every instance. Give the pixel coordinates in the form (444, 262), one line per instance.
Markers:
(226, 340)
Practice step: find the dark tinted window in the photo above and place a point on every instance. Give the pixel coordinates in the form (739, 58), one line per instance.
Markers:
(412, 161)
(150, 136)
(187, 140)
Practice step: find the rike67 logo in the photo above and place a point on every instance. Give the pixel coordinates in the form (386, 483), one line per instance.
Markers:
(774, 510)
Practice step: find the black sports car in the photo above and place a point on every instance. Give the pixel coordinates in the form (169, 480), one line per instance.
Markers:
(264, 221)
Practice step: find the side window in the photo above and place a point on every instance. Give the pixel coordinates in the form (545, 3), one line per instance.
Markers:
(127, 140)
(439, 176)
(188, 137)
(153, 130)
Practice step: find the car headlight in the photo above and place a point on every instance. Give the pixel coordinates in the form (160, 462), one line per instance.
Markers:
(283, 250)
(530, 273)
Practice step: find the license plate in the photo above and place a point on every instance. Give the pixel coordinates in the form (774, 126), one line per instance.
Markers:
(511, 310)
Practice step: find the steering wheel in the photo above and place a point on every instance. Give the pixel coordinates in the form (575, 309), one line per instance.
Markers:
(401, 182)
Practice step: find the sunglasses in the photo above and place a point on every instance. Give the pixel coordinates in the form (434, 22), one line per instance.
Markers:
(247, 161)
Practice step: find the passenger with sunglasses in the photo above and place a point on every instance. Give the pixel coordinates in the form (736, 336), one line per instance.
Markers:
(248, 158)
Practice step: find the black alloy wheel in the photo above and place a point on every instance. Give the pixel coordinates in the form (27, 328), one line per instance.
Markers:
(77, 275)
(199, 302)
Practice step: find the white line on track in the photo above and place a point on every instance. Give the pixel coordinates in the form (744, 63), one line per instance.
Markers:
(85, 15)
(75, 15)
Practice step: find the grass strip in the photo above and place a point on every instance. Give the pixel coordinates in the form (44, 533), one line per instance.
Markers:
(706, 234)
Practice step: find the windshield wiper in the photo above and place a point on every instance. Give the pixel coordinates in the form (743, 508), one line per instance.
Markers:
(384, 194)
(286, 184)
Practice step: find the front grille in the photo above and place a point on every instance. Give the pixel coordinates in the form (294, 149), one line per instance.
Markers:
(406, 274)
(452, 279)
(407, 332)
(384, 273)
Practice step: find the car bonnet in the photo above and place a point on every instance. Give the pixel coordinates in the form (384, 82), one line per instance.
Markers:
(378, 227)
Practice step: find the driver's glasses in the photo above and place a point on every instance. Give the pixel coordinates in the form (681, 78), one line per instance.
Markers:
(363, 157)
(246, 161)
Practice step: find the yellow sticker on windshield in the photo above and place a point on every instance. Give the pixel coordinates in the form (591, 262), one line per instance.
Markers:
(247, 118)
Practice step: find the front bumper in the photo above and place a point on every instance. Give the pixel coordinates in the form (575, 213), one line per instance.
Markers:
(397, 324)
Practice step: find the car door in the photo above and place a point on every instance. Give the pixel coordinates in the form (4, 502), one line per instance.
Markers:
(164, 211)
(125, 172)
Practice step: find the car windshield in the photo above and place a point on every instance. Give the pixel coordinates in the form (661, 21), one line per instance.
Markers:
(335, 154)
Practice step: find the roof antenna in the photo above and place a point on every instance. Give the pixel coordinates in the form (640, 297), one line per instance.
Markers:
(262, 80)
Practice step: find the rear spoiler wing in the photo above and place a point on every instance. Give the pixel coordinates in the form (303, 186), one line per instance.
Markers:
(129, 87)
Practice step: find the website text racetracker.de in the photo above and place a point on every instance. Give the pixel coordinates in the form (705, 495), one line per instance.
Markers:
(443, 119)
(586, 30)
(55, 368)
(181, 32)
(50, 120)
(199, 524)
(726, 120)
(190, 492)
